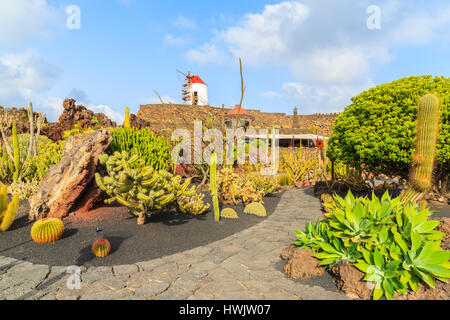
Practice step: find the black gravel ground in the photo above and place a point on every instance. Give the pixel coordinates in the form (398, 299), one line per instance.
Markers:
(164, 234)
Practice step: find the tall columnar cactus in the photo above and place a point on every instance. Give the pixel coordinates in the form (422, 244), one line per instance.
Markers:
(427, 130)
(213, 186)
(126, 123)
(7, 210)
(16, 151)
(143, 190)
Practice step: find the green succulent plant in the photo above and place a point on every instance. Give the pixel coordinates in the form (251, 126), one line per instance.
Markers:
(392, 241)
(142, 189)
(229, 213)
(256, 209)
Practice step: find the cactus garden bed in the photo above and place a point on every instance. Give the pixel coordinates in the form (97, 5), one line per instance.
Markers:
(165, 233)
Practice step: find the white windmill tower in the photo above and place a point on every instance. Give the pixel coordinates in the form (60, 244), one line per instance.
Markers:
(195, 90)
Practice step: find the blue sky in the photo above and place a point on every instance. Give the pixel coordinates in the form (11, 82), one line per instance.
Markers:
(314, 54)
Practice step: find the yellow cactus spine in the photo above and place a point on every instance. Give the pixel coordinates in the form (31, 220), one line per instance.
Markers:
(229, 213)
(7, 211)
(126, 123)
(16, 152)
(101, 248)
(427, 130)
(213, 186)
(47, 230)
(256, 208)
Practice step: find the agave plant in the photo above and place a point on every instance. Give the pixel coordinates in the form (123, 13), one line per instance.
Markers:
(314, 233)
(351, 221)
(335, 252)
(385, 274)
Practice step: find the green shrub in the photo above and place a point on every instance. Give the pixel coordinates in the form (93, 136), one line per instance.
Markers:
(392, 242)
(378, 128)
(153, 149)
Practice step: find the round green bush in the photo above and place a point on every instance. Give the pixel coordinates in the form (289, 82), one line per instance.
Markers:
(378, 129)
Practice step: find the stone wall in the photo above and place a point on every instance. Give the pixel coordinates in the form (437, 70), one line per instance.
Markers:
(171, 116)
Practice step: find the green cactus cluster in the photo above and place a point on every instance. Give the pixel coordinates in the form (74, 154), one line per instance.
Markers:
(427, 131)
(153, 149)
(193, 204)
(7, 210)
(142, 189)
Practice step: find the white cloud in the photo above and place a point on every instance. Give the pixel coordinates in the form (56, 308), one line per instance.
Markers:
(22, 20)
(174, 41)
(271, 94)
(23, 76)
(183, 22)
(326, 44)
(321, 98)
(155, 100)
(207, 53)
(113, 115)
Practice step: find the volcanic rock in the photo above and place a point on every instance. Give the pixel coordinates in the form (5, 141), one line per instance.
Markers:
(65, 183)
(302, 265)
(349, 280)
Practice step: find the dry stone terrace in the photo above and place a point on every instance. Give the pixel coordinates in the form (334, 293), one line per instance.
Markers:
(246, 265)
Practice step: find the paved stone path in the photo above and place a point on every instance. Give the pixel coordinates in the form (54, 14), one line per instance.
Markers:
(246, 265)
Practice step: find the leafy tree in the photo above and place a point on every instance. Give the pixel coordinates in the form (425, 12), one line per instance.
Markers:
(378, 129)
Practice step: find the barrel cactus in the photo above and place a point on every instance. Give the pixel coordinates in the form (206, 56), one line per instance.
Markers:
(101, 248)
(229, 213)
(427, 130)
(143, 190)
(47, 230)
(7, 210)
(256, 208)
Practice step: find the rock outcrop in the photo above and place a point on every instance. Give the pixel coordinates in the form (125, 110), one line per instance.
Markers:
(301, 264)
(76, 114)
(349, 280)
(65, 183)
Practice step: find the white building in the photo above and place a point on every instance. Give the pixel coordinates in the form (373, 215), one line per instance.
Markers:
(195, 91)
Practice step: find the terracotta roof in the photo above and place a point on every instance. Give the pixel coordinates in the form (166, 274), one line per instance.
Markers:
(197, 79)
(236, 110)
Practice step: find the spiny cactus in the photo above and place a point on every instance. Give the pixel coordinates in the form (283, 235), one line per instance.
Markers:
(47, 230)
(153, 149)
(16, 151)
(213, 186)
(256, 208)
(7, 210)
(229, 213)
(192, 204)
(427, 130)
(126, 123)
(101, 248)
(143, 190)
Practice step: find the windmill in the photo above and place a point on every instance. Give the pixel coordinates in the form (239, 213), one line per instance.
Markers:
(185, 90)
